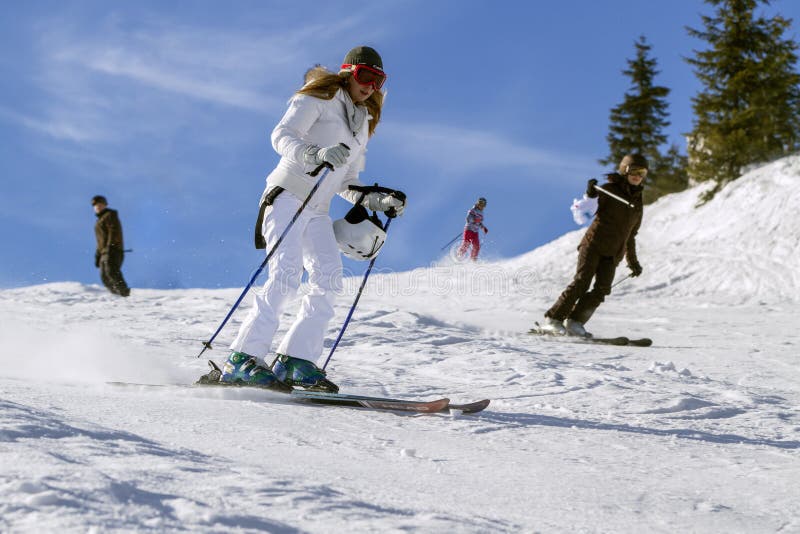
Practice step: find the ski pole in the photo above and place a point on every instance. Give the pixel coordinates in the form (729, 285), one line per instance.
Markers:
(451, 242)
(615, 197)
(324, 165)
(355, 303)
(620, 281)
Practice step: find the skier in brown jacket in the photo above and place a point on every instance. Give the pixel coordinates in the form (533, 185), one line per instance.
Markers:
(610, 237)
(109, 254)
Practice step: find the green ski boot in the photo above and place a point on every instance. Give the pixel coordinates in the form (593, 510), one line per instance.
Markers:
(302, 373)
(243, 370)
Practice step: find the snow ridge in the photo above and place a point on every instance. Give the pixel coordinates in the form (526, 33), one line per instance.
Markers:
(741, 247)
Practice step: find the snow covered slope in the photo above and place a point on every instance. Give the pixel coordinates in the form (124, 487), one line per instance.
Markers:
(742, 246)
(699, 433)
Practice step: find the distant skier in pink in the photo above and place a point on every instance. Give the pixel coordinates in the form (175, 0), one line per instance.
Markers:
(471, 229)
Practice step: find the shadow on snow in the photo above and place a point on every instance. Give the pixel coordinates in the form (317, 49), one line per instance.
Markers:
(526, 420)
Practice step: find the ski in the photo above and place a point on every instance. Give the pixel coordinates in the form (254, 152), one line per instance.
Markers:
(620, 341)
(212, 378)
(641, 342)
(380, 403)
(375, 403)
(470, 407)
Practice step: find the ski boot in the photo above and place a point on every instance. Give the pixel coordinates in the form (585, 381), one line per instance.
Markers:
(302, 373)
(575, 328)
(552, 326)
(241, 369)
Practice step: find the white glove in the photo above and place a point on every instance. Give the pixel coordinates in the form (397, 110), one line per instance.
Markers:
(335, 155)
(383, 202)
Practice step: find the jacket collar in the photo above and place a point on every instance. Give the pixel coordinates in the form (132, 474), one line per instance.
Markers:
(357, 116)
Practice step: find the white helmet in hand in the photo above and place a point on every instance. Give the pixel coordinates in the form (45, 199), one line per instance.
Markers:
(359, 235)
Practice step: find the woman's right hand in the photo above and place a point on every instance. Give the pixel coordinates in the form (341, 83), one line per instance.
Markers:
(590, 185)
(335, 155)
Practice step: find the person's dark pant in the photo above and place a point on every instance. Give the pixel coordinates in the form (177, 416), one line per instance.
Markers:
(577, 302)
(110, 273)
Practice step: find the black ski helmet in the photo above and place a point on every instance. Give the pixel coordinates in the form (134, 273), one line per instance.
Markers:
(364, 55)
(481, 200)
(632, 161)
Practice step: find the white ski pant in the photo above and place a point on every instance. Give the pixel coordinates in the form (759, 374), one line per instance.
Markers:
(310, 245)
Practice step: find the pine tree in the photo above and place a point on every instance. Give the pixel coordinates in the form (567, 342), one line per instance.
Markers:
(748, 111)
(667, 175)
(637, 125)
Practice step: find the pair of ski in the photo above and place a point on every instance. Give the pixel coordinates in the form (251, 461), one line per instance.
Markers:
(620, 341)
(212, 378)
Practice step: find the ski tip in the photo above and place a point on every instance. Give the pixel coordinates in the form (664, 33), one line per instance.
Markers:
(472, 407)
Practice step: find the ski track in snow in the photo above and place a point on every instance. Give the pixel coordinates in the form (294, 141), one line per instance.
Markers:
(698, 433)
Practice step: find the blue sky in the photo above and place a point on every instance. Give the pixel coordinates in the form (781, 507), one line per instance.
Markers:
(166, 108)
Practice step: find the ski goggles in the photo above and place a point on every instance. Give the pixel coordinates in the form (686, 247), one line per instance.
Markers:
(638, 172)
(366, 75)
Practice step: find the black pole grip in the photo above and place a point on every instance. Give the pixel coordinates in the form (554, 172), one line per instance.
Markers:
(319, 168)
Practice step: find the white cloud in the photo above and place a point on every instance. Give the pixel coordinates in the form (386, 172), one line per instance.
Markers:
(128, 76)
(120, 62)
(456, 150)
(232, 68)
(59, 129)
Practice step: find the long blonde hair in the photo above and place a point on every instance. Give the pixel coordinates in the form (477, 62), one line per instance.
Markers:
(322, 83)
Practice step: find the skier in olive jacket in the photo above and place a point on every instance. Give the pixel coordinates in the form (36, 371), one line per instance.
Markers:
(610, 237)
(109, 254)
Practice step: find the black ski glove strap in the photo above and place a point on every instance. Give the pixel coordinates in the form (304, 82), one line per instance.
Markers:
(378, 189)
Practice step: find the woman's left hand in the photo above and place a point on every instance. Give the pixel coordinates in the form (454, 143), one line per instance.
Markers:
(385, 202)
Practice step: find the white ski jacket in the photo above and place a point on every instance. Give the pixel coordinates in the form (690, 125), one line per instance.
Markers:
(314, 121)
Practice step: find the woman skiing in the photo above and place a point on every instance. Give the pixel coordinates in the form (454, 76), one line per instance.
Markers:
(610, 237)
(329, 120)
